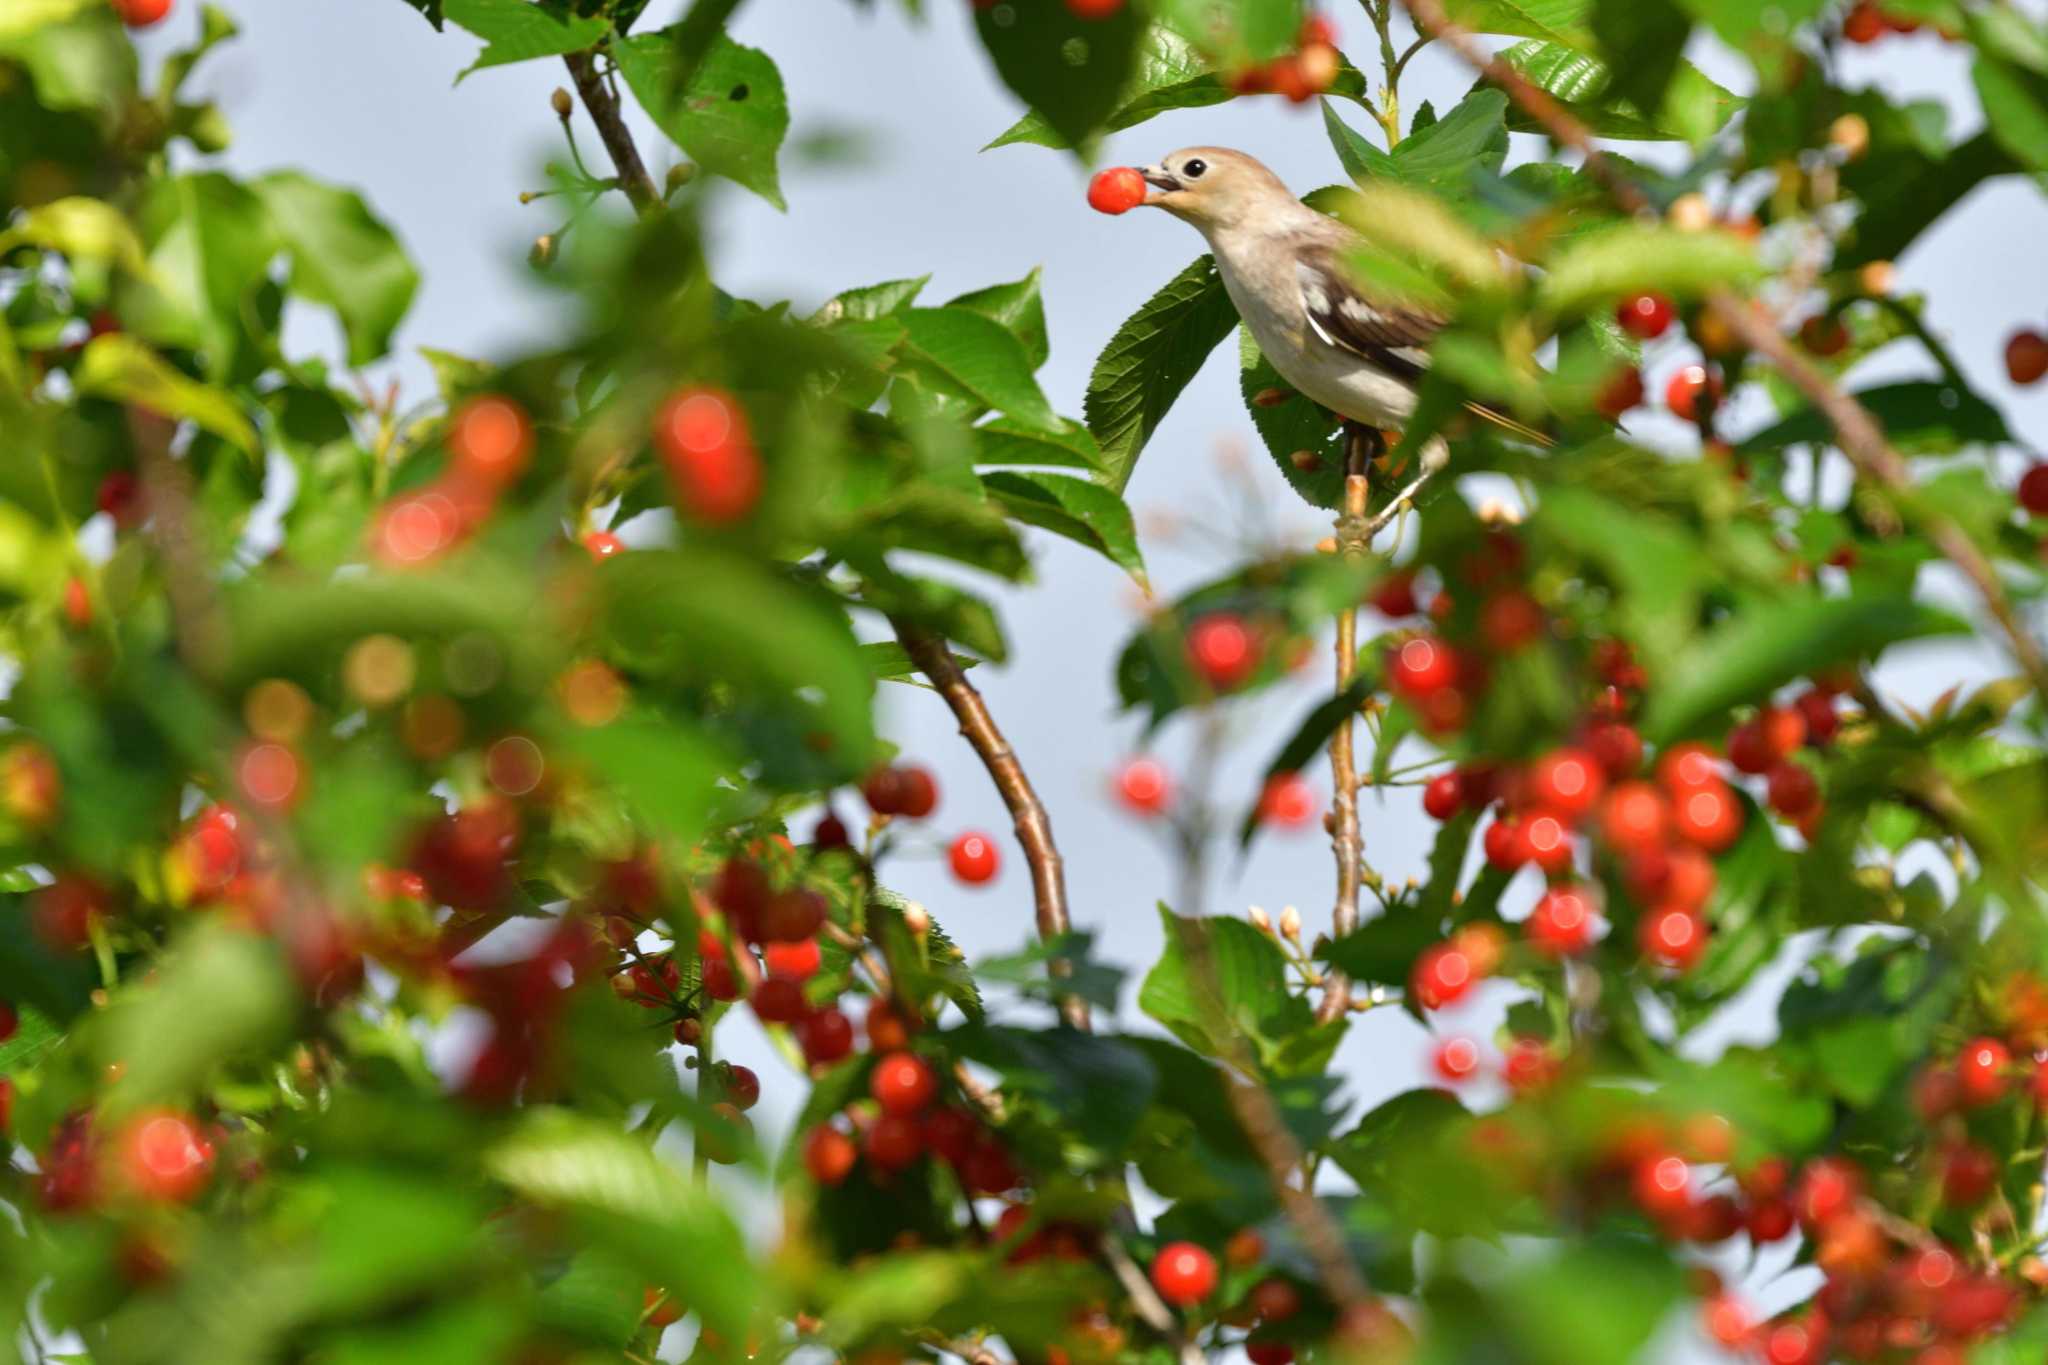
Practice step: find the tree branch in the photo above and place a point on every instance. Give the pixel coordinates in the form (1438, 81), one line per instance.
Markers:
(1034, 827)
(1352, 543)
(611, 127)
(1858, 434)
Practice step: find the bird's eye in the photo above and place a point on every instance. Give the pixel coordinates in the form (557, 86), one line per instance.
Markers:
(1193, 170)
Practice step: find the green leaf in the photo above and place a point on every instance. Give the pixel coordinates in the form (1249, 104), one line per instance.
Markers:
(1006, 441)
(1247, 997)
(25, 16)
(77, 56)
(342, 256)
(1442, 157)
(732, 116)
(1903, 192)
(872, 301)
(1306, 440)
(1759, 650)
(219, 995)
(1070, 70)
(673, 1229)
(1918, 416)
(83, 229)
(1694, 108)
(1642, 42)
(1098, 1087)
(1150, 360)
(519, 31)
(666, 772)
(211, 242)
(1082, 511)
(2015, 107)
(1019, 307)
(979, 358)
(1594, 1304)
(1556, 21)
(1596, 268)
(119, 367)
(1360, 158)
(1382, 951)
(1660, 566)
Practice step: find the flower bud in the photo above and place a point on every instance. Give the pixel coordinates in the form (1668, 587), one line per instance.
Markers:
(564, 105)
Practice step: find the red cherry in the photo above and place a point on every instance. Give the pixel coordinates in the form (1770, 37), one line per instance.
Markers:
(883, 790)
(2034, 489)
(1504, 845)
(951, 1134)
(1984, 1072)
(1688, 881)
(165, 1156)
(1288, 801)
(1968, 1175)
(1712, 1220)
(490, 440)
(9, 1020)
(1727, 1320)
(1421, 666)
(1709, 817)
(1749, 749)
(1183, 1273)
(1793, 789)
(1974, 1306)
(1116, 190)
(1824, 336)
(1456, 1059)
(1095, 9)
(1864, 23)
(2026, 357)
(798, 960)
(1827, 1187)
(1662, 1185)
(1222, 651)
(825, 1036)
(1817, 710)
(6, 1104)
(1682, 395)
(1646, 316)
(829, 1155)
(1269, 1353)
(142, 13)
(708, 447)
(1673, 937)
(1621, 393)
(1546, 840)
(741, 1086)
(779, 1000)
(830, 833)
(1684, 767)
(1395, 596)
(1561, 925)
(1443, 975)
(1444, 796)
(1568, 781)
(1795, 1343)
(903, 1083)
(1616, 747)
(1274, 1300)
(790, 916)
(1529, 1066)
(719, 980)
(917, 793)
(974, 858)
(602, 544)
(885, 1027)
(988, 1169)
(120, 497)
(1635, 815)
(1509, 621)
(1768, 1221)
(1143, 785)
(894, 1142)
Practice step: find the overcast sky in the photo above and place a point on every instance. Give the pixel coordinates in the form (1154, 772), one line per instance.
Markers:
(361, 92)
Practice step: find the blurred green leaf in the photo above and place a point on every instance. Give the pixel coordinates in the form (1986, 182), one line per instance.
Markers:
(84, 229)
(1556, 21)
(342, 256)
(1598, 268)
(1904, 191)
(220, 994)
(1071, 71)
(211, 242)
(1249, 995)
(1694, 107)
(732, 116)
(519, 31)
(2016, 108)
(119, 367)
(1081, 511)
(666, 771)
(1597, 1304)
(1918, 416)
(1097, 1087)
(1150, 360)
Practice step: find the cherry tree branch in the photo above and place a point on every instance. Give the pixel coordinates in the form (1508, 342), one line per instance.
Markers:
(634, 180)
(1352, 543)
(1857, 432)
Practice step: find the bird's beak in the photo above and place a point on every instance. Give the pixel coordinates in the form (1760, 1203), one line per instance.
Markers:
(1160, 181)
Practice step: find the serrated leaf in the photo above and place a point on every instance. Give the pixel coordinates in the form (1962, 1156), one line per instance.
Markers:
(732, 116)
(979, 358)
(1150, 360)
(1248, 995)
(1694, 107)
(1019, 307)
(1078, 509)
(1306, 440)
(871, 301)
(520, 31)
(342, 256)
(1007, 441)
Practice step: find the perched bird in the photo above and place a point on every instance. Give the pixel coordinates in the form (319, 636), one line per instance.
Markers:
(1281, 262)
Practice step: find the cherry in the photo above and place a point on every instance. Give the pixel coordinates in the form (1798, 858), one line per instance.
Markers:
(1794, 1343)
(2026, 357)
(917, 794)
(1268, 1353)
(903, 1083)
(1222, 651)
(1689, 879)
(120, 497)
(1864, 23)
(1712, 1220)
(1421, 666)
(1646, 316)
(1662, 1185)
(1769, 1220)
(659, 1309)
(602, 544)
(740, 1085)
(142, 13)
(779, 1000)
(988, 1169)
(885, 1027)
(1395, 595)
(1456, 1059)
(6, 1104)
(63, 912)
(463, 855)
(1183, 1273)
(974, 858)
(1116, 190)
(9, 1020)
(830, 833)
(1621, 393)
(2034, 489)
(1509, 621)
(1708, 816)
(790, 916)
(1974, 1306)
(491, 440)
(883, 790)
(1503, 844)
(1444, 796)
(1673, 936)
(1143, 785)
(1635, 815)
(1568, 781)
(1683, 767)
(718, 979)
(1287, 800)
(1615, 746)
(1824, 336)
(1968, 1175)
(894, 1142)
(165, 1156)
(1561, 925)
(704, 439)
(1793, 790)
(1749, 749)
(1727, 1320)
(950, 1133)
(77, 604)
(1692, 382)
(798, 960)
(1443, 975)
(1827, 1188)
(1817, 710)
(1545, 840)
(825, 1036)
(1984, 1072)
(1273, 1300)
(1096, 9)
(1528, 1067)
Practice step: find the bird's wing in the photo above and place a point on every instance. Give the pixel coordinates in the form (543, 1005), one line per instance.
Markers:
(1391, 337)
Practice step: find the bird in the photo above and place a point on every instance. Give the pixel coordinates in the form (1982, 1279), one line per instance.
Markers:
(1281, 262)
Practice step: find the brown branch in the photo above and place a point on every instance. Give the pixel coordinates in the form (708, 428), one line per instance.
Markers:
(1352, 543)
(611, 127)
(173, 530)
(1857, 432)
(1034, 827)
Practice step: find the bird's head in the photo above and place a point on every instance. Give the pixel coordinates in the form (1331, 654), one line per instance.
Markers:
(1212, 187)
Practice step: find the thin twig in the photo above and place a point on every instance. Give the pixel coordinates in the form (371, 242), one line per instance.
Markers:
(1352, 543)
(1858, 434)
(611, 127)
